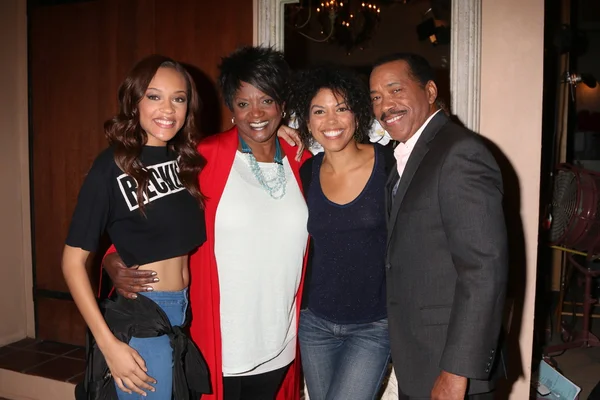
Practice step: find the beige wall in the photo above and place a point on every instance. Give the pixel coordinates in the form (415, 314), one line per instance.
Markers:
(511, 117)
(16, 303)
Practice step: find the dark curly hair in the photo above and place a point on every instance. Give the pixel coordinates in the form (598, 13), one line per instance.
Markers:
(127, 138)
(345, 83)
(263, 67)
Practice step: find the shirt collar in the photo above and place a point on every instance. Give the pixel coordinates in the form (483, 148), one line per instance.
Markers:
(405, 148)
(410, 143)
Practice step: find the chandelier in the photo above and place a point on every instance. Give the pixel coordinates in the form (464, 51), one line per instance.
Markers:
(347, 23)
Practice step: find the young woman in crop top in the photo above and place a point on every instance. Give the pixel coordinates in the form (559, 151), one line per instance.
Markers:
(144, 191)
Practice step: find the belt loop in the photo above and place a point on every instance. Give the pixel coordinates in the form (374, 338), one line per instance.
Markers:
(186, 303)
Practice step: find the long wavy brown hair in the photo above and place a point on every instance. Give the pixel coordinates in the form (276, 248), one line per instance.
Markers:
(127, 138)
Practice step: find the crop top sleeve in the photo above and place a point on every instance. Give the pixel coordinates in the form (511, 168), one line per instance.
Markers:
(92, 210)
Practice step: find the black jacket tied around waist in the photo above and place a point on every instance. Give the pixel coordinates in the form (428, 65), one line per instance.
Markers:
(143, 318)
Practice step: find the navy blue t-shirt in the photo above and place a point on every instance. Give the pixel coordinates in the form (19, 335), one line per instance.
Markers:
(347, 280)
(173, 224)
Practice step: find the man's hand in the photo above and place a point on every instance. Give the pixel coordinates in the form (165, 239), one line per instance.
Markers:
(128, 281)
(449, 387)
(291, 136)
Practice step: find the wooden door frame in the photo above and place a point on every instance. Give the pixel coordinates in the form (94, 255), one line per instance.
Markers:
(465, 50)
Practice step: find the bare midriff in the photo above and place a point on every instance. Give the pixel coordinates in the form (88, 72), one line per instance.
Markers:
(173, 274)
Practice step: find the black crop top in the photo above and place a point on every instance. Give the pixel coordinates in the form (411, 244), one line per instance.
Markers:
(174, 222)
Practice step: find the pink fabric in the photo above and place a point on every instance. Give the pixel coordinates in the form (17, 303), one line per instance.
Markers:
(401, 154)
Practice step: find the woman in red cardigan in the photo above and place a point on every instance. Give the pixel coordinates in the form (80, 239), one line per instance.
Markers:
(247, 278)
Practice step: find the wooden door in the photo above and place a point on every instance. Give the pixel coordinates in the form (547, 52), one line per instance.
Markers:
(79, 53)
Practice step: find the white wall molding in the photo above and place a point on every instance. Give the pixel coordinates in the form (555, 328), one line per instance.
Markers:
(465, 61)
(268, 22)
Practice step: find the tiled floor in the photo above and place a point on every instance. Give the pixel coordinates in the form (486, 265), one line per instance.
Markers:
(52, 360)
(66, 363)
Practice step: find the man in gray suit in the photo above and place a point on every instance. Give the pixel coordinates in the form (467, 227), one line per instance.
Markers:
(447, 260)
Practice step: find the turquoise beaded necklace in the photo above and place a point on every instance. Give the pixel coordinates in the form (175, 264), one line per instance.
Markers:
(277, 187)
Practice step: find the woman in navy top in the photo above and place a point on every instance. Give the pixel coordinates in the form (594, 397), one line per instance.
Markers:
(343, 333)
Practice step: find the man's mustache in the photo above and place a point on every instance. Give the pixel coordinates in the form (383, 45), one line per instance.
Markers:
(391, 112)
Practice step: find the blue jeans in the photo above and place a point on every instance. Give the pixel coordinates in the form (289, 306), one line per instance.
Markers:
(343, 361)
(157, 351)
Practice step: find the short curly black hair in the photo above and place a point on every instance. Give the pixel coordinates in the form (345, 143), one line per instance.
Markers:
(263, 67)
(419, 68)
(343, 82)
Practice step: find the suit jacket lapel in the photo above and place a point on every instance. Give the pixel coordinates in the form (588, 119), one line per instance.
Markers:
(414, 161)
(389, 198)
(389, 187)
(412, 165)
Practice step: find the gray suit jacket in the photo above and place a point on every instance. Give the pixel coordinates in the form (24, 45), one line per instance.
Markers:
(447, 261)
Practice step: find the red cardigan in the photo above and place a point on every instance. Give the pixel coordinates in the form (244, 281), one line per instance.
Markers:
(219, 152)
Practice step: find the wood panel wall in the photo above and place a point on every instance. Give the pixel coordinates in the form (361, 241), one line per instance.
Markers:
(79, 54)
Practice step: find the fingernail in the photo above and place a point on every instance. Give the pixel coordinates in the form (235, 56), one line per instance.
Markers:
(134, 296)
(149, 289)
(156, 279)
(153, 273)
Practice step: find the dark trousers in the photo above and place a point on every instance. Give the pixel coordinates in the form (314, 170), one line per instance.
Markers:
(254, 387)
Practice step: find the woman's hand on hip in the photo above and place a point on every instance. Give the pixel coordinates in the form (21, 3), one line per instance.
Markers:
(128, 281)
(127, 368)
